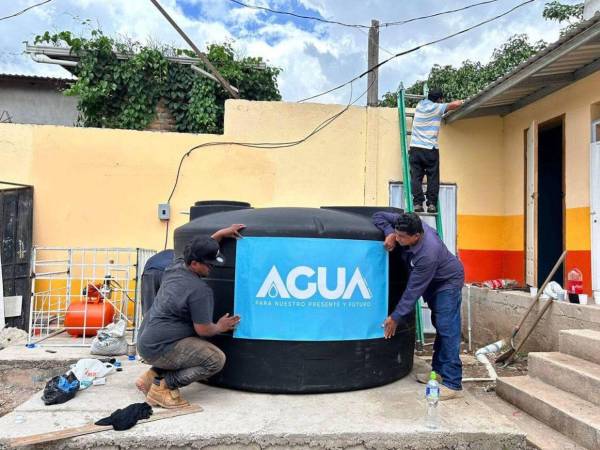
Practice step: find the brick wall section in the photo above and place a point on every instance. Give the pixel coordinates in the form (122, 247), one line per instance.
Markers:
(164, 120)
(495, 313)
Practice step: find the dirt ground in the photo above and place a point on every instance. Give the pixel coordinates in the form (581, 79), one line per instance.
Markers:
(12, 396)
(474, 369)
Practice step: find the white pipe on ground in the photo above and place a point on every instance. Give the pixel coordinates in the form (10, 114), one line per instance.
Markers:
(469, 315)
(482, 358)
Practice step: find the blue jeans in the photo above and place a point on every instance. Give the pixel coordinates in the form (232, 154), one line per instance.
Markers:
(445, 316)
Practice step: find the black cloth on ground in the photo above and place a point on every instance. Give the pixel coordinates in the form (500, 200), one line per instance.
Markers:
(124, 419)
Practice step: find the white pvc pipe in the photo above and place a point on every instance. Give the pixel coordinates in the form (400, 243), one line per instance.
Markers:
(469, 316)
(468, 380)
(47, 60)
(482, 358)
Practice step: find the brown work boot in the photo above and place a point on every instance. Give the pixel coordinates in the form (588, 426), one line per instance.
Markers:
(161, 395)
(448, 394)
(424, 377)
(145, 380)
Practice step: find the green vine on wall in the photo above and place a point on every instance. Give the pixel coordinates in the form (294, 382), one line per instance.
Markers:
(123, 92)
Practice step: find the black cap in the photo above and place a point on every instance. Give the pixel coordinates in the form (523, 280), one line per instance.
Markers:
(205, 250)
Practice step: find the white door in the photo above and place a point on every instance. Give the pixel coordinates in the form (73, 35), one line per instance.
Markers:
(447, 199)
(531, 207)
(595, 203)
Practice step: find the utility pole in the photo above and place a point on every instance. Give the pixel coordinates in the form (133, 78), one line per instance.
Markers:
(373, 60)
(233, 92)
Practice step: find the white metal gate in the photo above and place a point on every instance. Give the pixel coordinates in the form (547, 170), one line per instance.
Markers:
(447, 199)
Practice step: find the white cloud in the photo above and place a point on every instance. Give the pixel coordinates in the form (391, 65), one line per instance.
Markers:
(313, 56)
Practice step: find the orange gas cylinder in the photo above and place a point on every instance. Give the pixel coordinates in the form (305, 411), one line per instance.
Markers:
(93, 313)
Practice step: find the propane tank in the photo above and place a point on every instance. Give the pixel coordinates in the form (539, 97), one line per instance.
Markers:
(91, 314)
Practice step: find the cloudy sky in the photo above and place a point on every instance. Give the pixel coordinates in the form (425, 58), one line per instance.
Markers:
(314, 56)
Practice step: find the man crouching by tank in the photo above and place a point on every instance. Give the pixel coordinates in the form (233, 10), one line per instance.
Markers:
(172, 334)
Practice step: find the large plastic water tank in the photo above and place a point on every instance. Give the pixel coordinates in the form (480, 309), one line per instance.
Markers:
(302, 366)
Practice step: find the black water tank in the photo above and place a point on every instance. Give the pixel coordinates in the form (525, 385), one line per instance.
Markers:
(278, 366)
(204, 207)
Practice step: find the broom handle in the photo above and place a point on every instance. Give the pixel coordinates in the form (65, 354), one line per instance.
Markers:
(540, 292)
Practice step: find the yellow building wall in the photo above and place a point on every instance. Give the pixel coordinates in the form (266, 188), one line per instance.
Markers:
(101, 187)
(577, 104)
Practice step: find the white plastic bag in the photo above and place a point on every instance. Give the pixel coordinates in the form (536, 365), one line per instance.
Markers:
(86, 370)
(110, 341)
(554, 291)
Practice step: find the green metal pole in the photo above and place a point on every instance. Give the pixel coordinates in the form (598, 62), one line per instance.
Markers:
(408, 203)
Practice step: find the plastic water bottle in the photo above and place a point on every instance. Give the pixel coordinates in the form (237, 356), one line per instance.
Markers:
(432, 397)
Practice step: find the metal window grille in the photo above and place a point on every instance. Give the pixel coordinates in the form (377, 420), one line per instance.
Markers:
(63, 280)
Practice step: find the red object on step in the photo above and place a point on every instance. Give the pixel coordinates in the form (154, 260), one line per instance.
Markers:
(90, 315)
(575, 281)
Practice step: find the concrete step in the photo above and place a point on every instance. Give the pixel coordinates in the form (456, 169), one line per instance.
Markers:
(572, 416)
(539, 435)
(568, 373)
(583, 344)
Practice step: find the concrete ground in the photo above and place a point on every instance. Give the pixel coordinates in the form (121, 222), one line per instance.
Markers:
(391, 416)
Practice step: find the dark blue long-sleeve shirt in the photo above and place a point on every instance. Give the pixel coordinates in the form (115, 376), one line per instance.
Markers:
(432, 268)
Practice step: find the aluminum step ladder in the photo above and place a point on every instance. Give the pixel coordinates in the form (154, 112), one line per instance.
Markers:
(428, 218)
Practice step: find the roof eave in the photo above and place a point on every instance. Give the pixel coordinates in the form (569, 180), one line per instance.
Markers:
(526, 69)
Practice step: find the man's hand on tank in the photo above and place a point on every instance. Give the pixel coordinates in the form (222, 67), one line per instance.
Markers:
(234, 231)
(389, 327)
(390, 242)
(227, 323)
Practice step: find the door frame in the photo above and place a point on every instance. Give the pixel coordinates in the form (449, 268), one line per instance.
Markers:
(559, 120)
(595, 206)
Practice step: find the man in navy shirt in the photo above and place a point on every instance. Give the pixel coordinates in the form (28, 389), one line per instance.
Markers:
(436, 275)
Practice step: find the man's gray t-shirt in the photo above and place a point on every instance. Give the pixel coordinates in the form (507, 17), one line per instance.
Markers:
(182, 300)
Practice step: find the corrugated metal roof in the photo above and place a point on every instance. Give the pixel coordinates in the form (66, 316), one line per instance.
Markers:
(39, 78)
(574, 56)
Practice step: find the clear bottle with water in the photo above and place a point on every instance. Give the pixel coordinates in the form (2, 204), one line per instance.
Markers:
(432, 397)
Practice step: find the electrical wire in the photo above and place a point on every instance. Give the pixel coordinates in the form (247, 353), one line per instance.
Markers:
(25, 10)
(262, 145)
(418, 47)
(389, 52)
(361, 26)
(430, 16)
(300, 16)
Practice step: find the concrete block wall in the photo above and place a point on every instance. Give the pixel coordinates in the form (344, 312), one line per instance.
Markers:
(495, 313)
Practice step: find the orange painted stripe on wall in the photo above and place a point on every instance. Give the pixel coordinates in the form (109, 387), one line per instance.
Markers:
(481, 265)
(581, 259)
(578, 230)
(490, 232)
(508, 232)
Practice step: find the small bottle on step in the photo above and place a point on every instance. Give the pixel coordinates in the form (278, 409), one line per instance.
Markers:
(432, 397)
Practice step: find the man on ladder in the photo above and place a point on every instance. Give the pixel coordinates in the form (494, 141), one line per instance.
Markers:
(424, 156)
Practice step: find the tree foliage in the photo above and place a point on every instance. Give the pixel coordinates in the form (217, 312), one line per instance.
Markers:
(119, 83)
(471, 76)
(572, 14)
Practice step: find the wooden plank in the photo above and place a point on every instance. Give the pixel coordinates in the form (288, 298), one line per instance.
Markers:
(91, 428)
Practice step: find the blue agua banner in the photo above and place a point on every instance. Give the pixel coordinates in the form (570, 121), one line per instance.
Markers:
(306, 289)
